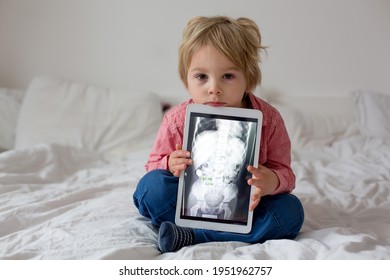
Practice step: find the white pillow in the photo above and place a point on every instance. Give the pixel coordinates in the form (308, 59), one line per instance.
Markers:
(90, 117)
(341, 104)
(309, 129)
(10, 101)
(316, 121)
(372, 113)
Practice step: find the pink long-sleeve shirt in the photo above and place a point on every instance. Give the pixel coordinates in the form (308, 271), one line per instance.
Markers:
(275, 145)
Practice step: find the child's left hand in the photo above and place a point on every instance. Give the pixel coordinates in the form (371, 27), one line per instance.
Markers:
(265, 182)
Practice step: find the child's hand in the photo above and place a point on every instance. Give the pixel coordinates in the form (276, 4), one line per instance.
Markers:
(265, 182)
(179, 160)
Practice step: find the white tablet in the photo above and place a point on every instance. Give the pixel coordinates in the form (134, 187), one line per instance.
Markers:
(213, 192)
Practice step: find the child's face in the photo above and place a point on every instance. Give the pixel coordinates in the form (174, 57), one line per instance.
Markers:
(214, 80)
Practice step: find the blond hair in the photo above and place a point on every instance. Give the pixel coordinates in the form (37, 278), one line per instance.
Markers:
(238, 39)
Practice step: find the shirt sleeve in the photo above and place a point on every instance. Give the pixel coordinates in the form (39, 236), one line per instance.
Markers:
(167, 137)
(279, 155)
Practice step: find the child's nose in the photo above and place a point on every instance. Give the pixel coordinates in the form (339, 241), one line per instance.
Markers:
(214, 88)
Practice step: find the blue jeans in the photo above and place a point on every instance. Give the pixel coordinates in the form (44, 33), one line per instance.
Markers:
(276, 217)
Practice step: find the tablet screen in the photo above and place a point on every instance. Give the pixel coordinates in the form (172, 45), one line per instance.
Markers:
(214, 189)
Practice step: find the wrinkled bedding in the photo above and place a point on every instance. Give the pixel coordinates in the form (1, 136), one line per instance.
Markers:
(58, 202)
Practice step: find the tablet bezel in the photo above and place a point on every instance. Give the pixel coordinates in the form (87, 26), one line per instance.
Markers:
(224, 112)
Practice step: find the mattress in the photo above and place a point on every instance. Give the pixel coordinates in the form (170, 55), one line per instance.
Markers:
(59, 202)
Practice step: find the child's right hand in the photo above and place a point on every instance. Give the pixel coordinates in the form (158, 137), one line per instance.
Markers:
(179, 160)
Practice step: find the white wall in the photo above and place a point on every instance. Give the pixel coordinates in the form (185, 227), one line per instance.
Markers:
(315, 47)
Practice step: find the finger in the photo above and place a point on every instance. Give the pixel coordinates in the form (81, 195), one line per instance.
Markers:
(255, 171)
(177, 168)
(181, 161)
(180, 154)
(257, 193)
(256, 196)
(258, 182)
(178, 146)
(254, 204)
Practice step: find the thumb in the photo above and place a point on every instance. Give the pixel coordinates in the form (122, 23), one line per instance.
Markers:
(178, 146)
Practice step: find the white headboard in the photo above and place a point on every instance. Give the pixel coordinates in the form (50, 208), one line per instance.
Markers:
(315, 47)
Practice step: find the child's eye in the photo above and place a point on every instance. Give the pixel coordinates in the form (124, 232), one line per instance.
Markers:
(201, 77)
(228, 76)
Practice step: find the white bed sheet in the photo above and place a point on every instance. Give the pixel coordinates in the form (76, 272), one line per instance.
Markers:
(58, 202)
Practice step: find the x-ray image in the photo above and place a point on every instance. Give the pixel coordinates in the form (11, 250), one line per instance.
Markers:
(216, 182)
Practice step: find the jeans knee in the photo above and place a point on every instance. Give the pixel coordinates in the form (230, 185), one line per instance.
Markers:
(296, 217)
(286, 212)
(150, 183)
(156, 193)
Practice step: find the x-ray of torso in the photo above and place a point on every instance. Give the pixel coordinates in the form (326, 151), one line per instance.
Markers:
(218, 152)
